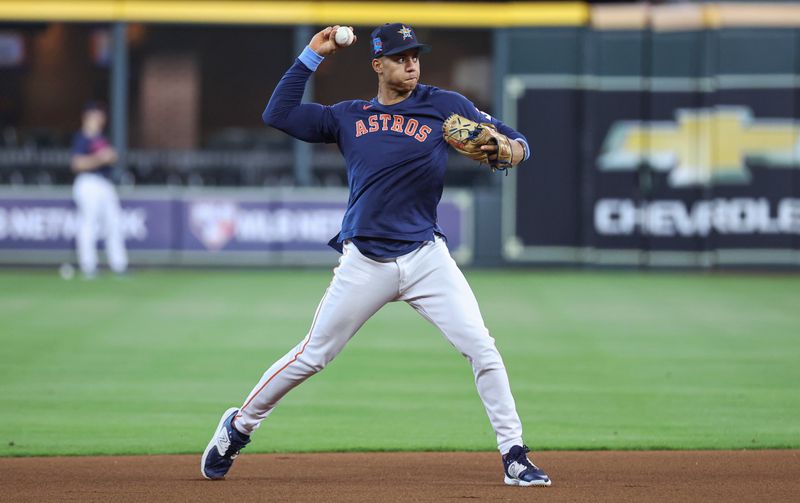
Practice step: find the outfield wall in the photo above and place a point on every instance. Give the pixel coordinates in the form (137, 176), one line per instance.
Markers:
(205, 227)
(661, 136)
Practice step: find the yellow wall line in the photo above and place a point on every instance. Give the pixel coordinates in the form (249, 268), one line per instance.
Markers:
(300, 12)
(477, 15)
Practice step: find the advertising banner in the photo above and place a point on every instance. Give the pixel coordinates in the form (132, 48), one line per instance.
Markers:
(227, 224)
(213, 224)
(649, 159)
(226, 227)
(51, 223)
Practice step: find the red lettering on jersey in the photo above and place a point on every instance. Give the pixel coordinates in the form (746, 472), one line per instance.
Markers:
(411, 127)
(361, 129)
(423, 134)
(373, 123)
(397, 125)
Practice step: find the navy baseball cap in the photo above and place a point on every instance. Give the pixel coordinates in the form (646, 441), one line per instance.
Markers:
(394, 38)
(94, 105)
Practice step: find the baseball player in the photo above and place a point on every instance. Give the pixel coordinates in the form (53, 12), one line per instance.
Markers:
(392, 246)
(99, 211)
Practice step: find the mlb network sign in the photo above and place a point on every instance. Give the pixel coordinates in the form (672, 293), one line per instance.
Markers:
(47, 224)
(299, 225)
(707, 148)
(220, 224)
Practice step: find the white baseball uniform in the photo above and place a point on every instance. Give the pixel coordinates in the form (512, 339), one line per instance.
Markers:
(99, 212)
(429, 280)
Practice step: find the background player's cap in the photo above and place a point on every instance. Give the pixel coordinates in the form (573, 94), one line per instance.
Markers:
(94, 105)
(394, 38)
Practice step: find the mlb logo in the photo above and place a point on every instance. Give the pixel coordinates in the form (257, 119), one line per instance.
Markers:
(213, 223)
(377, 45)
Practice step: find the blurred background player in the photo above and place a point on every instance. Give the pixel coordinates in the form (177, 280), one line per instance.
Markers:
(99, 213)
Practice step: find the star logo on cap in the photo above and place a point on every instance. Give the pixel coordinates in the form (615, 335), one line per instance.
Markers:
(405, 32)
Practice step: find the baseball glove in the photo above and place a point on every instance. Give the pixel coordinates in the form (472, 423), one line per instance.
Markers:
(467, 137)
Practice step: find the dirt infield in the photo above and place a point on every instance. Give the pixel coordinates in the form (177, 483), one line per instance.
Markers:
(740, 476)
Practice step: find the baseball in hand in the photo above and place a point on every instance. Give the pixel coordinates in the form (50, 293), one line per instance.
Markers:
(344, 36)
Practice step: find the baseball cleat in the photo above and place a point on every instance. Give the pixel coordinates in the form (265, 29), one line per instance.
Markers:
(223, 447)
(519, 471)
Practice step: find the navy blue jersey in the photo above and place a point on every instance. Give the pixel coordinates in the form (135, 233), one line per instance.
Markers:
(85, 145)
(395, 154)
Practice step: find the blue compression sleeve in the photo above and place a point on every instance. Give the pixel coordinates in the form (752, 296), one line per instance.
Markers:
(527, 148)
(310, 58)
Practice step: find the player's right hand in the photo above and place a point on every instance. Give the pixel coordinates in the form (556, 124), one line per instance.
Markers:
(323, 43)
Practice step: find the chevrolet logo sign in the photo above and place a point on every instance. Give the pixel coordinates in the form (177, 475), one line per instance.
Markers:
(703, 146)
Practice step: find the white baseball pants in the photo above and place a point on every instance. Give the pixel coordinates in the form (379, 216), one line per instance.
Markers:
(99, 215)
(429, 280)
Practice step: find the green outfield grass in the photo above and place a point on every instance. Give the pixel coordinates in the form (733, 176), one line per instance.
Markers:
(596, 360)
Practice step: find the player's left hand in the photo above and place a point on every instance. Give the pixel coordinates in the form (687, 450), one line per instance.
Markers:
(492, 151)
